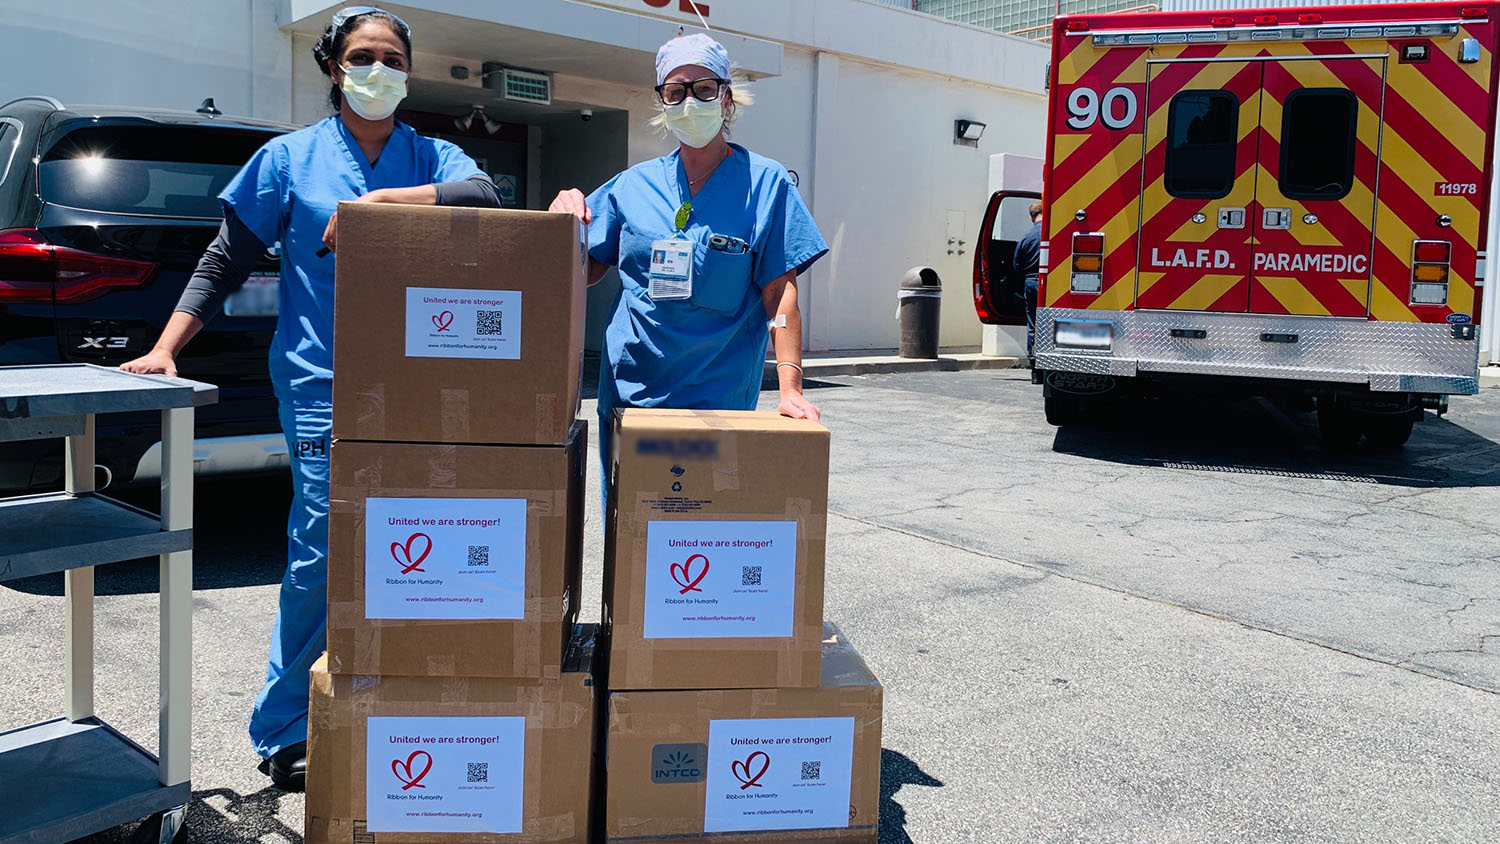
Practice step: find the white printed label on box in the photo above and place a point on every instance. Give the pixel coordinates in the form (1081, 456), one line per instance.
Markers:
(445, 774)
(445, 558)
(482, 324)
(720, 580)
(779, 773)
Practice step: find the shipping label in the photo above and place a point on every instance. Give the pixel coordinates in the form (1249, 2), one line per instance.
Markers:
(445, 558)
(779, 773)
(481, 324)
(719, 580)
(445, 774)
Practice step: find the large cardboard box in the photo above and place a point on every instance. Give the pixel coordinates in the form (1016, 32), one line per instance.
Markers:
(762, 765)
(446, 760)
(457, 325)
(454, 560)
(713, 571)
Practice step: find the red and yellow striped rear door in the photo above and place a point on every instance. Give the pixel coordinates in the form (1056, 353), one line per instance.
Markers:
(1198, 184)
(1315, 186)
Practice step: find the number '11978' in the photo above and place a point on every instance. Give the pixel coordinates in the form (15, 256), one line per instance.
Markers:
(1456, 189)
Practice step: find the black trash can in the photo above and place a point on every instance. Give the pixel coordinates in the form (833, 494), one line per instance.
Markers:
(917, 307)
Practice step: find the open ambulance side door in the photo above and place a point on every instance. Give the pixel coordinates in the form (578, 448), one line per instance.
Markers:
(999, 285)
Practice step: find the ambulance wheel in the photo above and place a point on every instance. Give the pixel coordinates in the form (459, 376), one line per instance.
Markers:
(1338, 430)
(1063, 410)
(1387, 434)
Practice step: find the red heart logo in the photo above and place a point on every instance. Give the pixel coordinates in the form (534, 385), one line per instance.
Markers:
(443, 320)
(402, 770)
(741, 770)
(682, 573)
(398, 551)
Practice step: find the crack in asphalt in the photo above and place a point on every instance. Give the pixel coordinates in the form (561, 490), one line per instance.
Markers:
(1406, 664)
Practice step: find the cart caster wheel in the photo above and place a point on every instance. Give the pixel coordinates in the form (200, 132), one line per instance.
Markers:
(169, 827)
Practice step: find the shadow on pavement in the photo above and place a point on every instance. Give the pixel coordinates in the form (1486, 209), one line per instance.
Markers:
(897, 770)
(1256, 436)
(239, 539)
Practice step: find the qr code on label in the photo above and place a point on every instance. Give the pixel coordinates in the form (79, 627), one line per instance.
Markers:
(479, 555)
(812, 770)
(488, 322)
(479, 772)
(751, 576)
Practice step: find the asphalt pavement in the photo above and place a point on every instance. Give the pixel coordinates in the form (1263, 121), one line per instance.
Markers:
(1182, 624)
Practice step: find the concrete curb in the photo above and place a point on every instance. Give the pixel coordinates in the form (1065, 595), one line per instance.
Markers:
(1489, 376)
(818, 367)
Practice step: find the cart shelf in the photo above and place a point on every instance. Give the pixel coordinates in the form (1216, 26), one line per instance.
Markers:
(65, 780)
(58, 531)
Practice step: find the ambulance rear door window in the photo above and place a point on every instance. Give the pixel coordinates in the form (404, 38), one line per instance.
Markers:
(1202, 131)
(1317, 143)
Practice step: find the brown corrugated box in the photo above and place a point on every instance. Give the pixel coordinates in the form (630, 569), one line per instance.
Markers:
(675, 468)
(557, 761)
(659, 768)
(542, 485)
(512, 320)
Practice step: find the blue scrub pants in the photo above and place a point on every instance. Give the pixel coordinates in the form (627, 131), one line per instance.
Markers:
(301, 632)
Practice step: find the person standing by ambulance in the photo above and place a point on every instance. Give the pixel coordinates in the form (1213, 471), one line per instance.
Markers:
(288, 194)
(709, 241)
(1028, 266)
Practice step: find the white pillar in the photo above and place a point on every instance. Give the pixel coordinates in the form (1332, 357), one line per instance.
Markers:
(817, 308)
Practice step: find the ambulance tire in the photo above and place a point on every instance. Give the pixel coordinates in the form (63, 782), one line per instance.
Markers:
(1063, 410)
(1336, 427)
(1387, 434)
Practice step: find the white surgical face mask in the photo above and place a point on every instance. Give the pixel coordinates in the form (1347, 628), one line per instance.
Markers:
(695, 122)
(374, 90)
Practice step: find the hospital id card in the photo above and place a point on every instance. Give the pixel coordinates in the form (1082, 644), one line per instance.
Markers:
(671, 275)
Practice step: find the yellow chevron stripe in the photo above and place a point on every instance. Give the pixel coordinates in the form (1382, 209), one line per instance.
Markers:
(1480, 70)
(1435, 107)
(1385, 306)
(1204, 292)
(1292, 295)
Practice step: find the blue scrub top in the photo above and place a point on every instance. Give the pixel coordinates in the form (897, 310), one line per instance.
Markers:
(287, 192)
(705, 352)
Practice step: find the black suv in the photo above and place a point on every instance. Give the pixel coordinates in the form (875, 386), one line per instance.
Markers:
(104, 213)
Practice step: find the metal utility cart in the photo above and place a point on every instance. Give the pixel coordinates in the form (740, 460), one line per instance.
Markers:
(74, 776)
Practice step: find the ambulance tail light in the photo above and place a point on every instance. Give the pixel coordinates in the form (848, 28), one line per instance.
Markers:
(1430, 262)
(1088, 263)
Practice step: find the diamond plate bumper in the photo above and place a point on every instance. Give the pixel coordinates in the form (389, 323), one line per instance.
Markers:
(1388, 356)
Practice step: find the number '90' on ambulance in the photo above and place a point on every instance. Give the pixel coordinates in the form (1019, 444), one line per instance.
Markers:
(1285, 201)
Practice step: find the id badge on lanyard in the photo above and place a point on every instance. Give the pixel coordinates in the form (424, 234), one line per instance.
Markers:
(671, 275)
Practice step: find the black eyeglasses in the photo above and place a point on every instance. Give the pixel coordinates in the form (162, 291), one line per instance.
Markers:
(704, 90)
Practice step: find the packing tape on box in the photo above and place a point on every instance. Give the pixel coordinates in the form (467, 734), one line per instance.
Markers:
(463, 236)
(369, 413)
(453, 414)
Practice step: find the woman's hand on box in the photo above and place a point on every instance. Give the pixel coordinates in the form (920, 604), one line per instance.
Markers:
(572, 201)
(796, 405)
(419, 195)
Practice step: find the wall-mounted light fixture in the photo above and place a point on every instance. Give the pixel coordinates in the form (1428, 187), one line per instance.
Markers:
(967, 131)
(490, 126)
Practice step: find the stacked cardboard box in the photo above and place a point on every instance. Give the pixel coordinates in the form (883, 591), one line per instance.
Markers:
(730, 715)
(443, 710)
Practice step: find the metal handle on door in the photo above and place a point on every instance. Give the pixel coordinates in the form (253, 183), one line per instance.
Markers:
(1276, 218)
(1231, 218)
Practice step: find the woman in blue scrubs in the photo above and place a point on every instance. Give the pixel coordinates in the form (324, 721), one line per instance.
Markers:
(709, 241)
(288, 194)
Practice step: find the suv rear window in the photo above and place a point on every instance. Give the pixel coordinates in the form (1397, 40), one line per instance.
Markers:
(1317, 143)
(1202, 133)
(171, 171)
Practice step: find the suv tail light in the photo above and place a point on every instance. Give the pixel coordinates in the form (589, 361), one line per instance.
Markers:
(1088, 263)
(33, 271)
(1430, 261)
